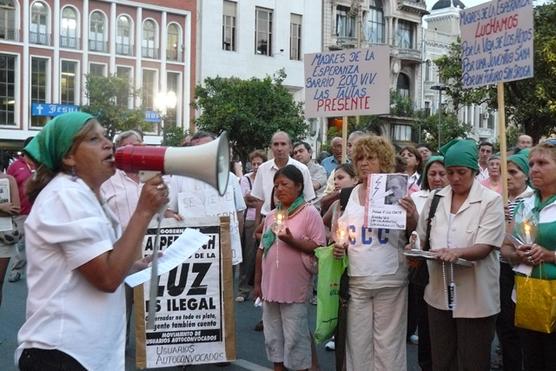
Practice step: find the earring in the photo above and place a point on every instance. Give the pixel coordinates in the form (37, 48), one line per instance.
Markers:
(73, 174)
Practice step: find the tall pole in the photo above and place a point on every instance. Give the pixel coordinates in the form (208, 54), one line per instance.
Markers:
(439, 116)
(502, 136)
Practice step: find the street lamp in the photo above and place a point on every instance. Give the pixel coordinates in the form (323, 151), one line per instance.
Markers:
(440, 89)
(164, 102)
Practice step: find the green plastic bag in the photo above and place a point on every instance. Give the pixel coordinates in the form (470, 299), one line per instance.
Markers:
(330, 271)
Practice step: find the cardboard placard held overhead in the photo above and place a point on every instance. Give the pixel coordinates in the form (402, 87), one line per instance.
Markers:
(195, 312)
(348, 82)
(497, 42)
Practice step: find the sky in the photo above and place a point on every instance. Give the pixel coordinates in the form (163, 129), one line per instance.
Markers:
(472, 3)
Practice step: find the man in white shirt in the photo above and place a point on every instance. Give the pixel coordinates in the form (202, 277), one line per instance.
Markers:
(281, 146)
(485, 151)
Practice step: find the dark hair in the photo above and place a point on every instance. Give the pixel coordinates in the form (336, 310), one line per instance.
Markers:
(425, 176)
(304, 144)
(348, 168)
(401, 164)
(482, 144)
(203, 134)
(292, 173)
(27, 140)
(417, 155)
(423, 145)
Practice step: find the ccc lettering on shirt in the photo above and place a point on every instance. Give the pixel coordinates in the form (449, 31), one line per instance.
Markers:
(365, 235)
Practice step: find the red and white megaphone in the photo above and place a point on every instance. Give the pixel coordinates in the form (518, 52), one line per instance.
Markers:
(208, 162)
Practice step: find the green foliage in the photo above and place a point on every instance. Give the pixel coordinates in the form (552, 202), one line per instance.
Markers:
(108, 97)
(250, 110)
(173, 136)
(400, 105)
(447, 122)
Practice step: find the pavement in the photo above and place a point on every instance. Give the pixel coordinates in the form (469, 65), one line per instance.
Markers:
(249, 343)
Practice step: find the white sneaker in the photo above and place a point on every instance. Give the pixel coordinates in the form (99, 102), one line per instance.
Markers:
(331, 345)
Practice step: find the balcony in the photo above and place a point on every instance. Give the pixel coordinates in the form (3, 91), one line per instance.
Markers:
(124, 49)
(98, 46)
(150, 53)
(9, 34)
(39, 38)
(173, 55)
(70, 42)
(407, 54)
(413, 6)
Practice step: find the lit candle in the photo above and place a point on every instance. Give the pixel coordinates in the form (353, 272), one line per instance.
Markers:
(527, 230)
(341, 234)
(280, 220)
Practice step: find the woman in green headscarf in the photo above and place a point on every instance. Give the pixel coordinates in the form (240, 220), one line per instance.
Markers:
(77, 256)
(539, 349)
(463, 301)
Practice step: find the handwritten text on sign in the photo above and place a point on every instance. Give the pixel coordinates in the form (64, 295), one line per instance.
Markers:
(347, 82)
(497, 42)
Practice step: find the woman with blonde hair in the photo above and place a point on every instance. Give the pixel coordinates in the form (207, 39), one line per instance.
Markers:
(377, 308)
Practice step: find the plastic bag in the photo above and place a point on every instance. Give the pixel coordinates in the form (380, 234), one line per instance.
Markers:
(536, 304)
(330, 271)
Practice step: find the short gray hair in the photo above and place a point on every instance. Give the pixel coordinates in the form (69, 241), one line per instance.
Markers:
(126, 134)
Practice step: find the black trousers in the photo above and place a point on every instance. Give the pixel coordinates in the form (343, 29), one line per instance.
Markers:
(508, 334)
(539, 350)
(424, 348)
(34, 359)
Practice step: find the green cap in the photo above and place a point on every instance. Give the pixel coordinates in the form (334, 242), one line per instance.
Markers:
(521, 160)
(54, 141)
(431, 160)
(461, 152)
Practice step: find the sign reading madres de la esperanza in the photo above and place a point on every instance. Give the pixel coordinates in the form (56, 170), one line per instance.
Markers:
(347, 82)
(497, 42)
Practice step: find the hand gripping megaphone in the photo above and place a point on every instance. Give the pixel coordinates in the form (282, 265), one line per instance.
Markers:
(208, 162)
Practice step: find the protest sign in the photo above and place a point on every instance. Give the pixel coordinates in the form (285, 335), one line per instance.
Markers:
(348, 82)
(497, 42)
(382, 208)
(195, 315)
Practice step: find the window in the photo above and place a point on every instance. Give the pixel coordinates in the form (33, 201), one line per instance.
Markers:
(172, 84)
(401, 133)
(375, 22)
(7, 89)
(97, 35)
(68, 28)
(148, 89)
(7, 20)
(345, 23)
(68, 83)
(263, 31)
(229, 26)
(173, 41)
(38, 32)
(295, 37)
(39, 86)
(427, 108)
(405, 34)
(402, 85)
(125, 99)
(490, 121)
(123, 36)
(428, 66)
(149, 39)
(96, 69)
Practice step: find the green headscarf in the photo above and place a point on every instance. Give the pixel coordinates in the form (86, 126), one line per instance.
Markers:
(431, 160)
(54, 141)
(521, 160)
(461, 152)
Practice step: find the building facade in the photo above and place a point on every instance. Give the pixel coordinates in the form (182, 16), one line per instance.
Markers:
(396, 23)
(442, 30)
(47, 48)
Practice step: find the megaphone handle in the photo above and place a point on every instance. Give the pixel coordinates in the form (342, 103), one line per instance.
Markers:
(145, 175)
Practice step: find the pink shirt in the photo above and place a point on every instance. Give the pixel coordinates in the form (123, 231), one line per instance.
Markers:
(121, 193)
(21, 171)
(286, 271)
(496, 188)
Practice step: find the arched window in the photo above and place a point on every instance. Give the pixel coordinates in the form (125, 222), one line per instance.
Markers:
(97, 32)
(428, 70)
(173, 45)
(375, 22)
(402, 85)
(123, 36)
(149, 39)
(38, 32)
(7, 20)
(68, 28)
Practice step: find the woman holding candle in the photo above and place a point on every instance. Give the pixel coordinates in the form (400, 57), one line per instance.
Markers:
(539, 349)
(463, 301)
(377, 308)
(285, 264)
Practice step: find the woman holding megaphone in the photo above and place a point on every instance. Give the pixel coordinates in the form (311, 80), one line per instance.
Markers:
(77, 254)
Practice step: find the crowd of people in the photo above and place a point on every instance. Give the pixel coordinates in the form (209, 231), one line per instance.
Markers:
(452, 304)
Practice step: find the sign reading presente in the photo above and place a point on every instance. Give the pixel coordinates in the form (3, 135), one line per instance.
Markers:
(347, 82)
(497, 42)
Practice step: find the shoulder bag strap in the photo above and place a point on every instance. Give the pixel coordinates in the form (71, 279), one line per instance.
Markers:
(432, 211)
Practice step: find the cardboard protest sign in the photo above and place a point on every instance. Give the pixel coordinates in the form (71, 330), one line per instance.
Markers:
(382, 208)
(497, 42)
(348, 82)
(195, 314)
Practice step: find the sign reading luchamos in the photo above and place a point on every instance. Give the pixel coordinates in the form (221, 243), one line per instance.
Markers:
(347, 82)
(497, 42)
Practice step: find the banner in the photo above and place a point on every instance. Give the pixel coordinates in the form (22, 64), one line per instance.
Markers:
(195, 314)
(348, 82)
(497, 42)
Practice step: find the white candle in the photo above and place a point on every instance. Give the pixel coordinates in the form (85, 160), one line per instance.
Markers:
(527, 230)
